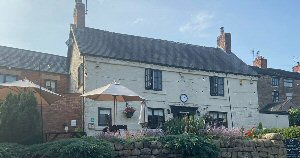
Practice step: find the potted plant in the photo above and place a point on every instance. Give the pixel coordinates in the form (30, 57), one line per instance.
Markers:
(128, 111)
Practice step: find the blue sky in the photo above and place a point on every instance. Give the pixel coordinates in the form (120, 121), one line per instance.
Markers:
(270, 26)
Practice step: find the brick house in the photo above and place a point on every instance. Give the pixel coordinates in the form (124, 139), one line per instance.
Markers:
(52, 72)
(175, 78)
(278, 91)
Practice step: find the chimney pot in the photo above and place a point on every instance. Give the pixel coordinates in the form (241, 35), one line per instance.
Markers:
(222, 30)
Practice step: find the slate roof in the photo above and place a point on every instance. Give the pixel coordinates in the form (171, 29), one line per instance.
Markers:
(99, 43)
(29, 60)
(276, 72)
(279, 107)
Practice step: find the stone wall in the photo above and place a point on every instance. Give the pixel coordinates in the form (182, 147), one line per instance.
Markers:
(264, 148)
(235, 148)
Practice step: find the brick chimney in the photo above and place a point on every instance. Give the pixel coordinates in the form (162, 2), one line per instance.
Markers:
(260, 62)
(297, 67)
(224, 41)
(79, 14)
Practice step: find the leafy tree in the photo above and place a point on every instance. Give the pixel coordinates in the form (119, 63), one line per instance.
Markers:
(294, 117)
(20, 120)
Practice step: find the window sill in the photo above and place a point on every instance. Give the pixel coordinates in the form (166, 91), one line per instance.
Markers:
(155, 92)
(218, 97)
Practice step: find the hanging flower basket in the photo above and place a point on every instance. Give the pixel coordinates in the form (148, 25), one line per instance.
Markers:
(129, 111)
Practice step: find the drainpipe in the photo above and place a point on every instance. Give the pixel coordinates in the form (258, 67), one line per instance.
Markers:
(83, 98)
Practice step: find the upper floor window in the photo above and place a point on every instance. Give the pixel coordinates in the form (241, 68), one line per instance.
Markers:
(218, 119)
(153, 79)
(216, 86)
(104, 116)
(156, 117)
(288, 83)
(7, 78)
(80, 75)
(51, 85)
(289, 96)
(275, 81)
(275, 96)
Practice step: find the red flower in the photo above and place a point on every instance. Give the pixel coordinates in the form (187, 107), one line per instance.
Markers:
(129, 109)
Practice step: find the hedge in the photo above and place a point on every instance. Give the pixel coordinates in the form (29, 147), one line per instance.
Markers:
(67, 148)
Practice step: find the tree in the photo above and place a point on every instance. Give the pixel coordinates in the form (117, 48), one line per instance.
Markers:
(20, 120)
(294, 117)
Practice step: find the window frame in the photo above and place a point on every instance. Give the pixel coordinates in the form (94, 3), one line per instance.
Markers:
(152, 125)
(5, 75)
(288, 82)
(153, 79)
(103, 124)
(273, 81)
(224, 123)
(275, 98)
(288, 96)
(216, 86)
(48, 80)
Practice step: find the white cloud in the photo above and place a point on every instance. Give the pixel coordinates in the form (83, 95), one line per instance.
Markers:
(138, 20)
(198, 23)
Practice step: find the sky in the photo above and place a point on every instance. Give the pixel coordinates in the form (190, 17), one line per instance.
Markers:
(267, 26)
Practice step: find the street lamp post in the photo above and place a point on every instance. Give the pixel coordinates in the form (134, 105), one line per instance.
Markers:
(42, 120)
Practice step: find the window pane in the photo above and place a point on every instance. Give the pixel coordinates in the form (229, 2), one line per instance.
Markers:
(148, 79)
(1, 78)
(104, 117)
(288, 82)
(9, 78)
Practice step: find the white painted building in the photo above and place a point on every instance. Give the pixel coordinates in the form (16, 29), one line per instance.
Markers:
(175, 78)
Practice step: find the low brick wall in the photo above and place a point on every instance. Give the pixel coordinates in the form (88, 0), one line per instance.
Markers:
(235, 148)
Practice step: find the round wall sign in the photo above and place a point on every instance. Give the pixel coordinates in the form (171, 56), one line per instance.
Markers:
(183, 98)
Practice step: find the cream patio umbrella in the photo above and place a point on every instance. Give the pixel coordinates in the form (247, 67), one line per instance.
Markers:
(43, 95)
(144, 111)
(113, 92)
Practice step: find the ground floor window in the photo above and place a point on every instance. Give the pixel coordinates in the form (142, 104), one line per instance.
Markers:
(275, 96)
(218, 119)
(104, 116)
(51, 85)
(156, 117)
(7, 78)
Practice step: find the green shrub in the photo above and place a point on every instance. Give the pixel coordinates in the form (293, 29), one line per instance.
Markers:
(294, 117)
(191, 145)
(291, 132)
(11, 150)
(72, 148)
(188, 124)
(20, 121)
(288, 133)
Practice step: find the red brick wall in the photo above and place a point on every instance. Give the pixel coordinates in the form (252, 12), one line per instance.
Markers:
(62, 80)
(260, 62)
(68, 108)
(224, 41)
